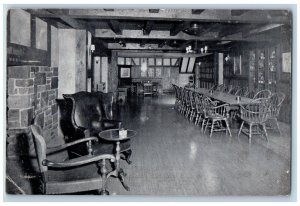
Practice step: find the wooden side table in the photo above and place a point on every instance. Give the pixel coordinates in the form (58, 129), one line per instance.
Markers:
(113, 136)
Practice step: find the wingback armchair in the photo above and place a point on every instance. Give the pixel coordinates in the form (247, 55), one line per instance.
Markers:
(70, 175)
(87, 113)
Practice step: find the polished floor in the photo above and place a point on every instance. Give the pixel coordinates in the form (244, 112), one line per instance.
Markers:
(172, 157)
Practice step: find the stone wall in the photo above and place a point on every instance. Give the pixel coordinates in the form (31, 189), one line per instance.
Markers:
(31, 92)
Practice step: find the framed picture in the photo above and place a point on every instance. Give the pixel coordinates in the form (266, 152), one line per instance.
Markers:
(125, 71)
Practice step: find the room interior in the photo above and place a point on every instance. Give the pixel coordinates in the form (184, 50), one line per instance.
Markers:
(156, 80)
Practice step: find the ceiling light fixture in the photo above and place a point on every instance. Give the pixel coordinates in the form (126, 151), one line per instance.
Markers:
(194, 29)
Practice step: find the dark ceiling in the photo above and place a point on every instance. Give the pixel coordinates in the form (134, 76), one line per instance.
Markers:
(172, 30)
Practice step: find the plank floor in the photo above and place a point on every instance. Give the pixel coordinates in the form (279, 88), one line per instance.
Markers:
(172, 157)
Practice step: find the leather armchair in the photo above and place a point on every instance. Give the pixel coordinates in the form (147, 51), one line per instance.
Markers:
(87, 113)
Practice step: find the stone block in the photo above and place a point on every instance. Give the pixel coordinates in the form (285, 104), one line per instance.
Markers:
(19, 72)
(19, 101)
(51, 92)
(13, 115)
(55, 118)
(40, 119)
(11, 87)
(34, 69)
(26, 117)
(40, 78)
(44, 99)
(24, 82)
(13, 124)
(48, 87)
(54, 82)
(49, 74)
(52, 97)
(54, 108)
(48, 111)
(45, 69)
(41, 88)
(28, 90)
(55, 71)
(48, 122)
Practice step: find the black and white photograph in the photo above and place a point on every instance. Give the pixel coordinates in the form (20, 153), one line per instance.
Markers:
(149, 101)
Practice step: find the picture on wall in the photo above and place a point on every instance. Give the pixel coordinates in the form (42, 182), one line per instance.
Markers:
(125, 72)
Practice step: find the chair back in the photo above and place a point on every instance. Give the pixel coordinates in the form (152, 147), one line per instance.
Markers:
(226, 88)
(276, 101)
(198, 102)
(181, 92)
(186, 96)
(192, 98)
(258, 111)
(262, 94)
(219, 87)
(40, 146)
(233, 90)
(212, 110)
(213, 87)
(87, 109)
(242, 92)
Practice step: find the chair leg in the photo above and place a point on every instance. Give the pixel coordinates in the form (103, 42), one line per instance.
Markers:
(103, 171)
(265, 130)
(278, 126)
(206, 125)
(241, 128)
(250, 132)
(203, 124)
(227, 125)
(196, 120)
(212, 127)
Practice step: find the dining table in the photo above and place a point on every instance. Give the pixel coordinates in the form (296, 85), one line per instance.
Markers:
(230, 99)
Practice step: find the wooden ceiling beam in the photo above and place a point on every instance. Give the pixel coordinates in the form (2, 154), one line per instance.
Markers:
(133, 46)
(261, 29)
(160, 35)
(153, 10)
(163, 43)
(157, 54)
(208, 15)
(238, 12)
(148, 27)
(74, 23)
(197, 11)
(210, 28)
(115, 26)
(178, 28)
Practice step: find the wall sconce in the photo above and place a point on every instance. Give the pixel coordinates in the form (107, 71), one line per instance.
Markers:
(92, 48)
(227, 58)
(204, 50)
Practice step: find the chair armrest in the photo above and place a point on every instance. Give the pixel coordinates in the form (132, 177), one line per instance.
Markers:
(78, 161)
(109, 123)
(64, 146)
